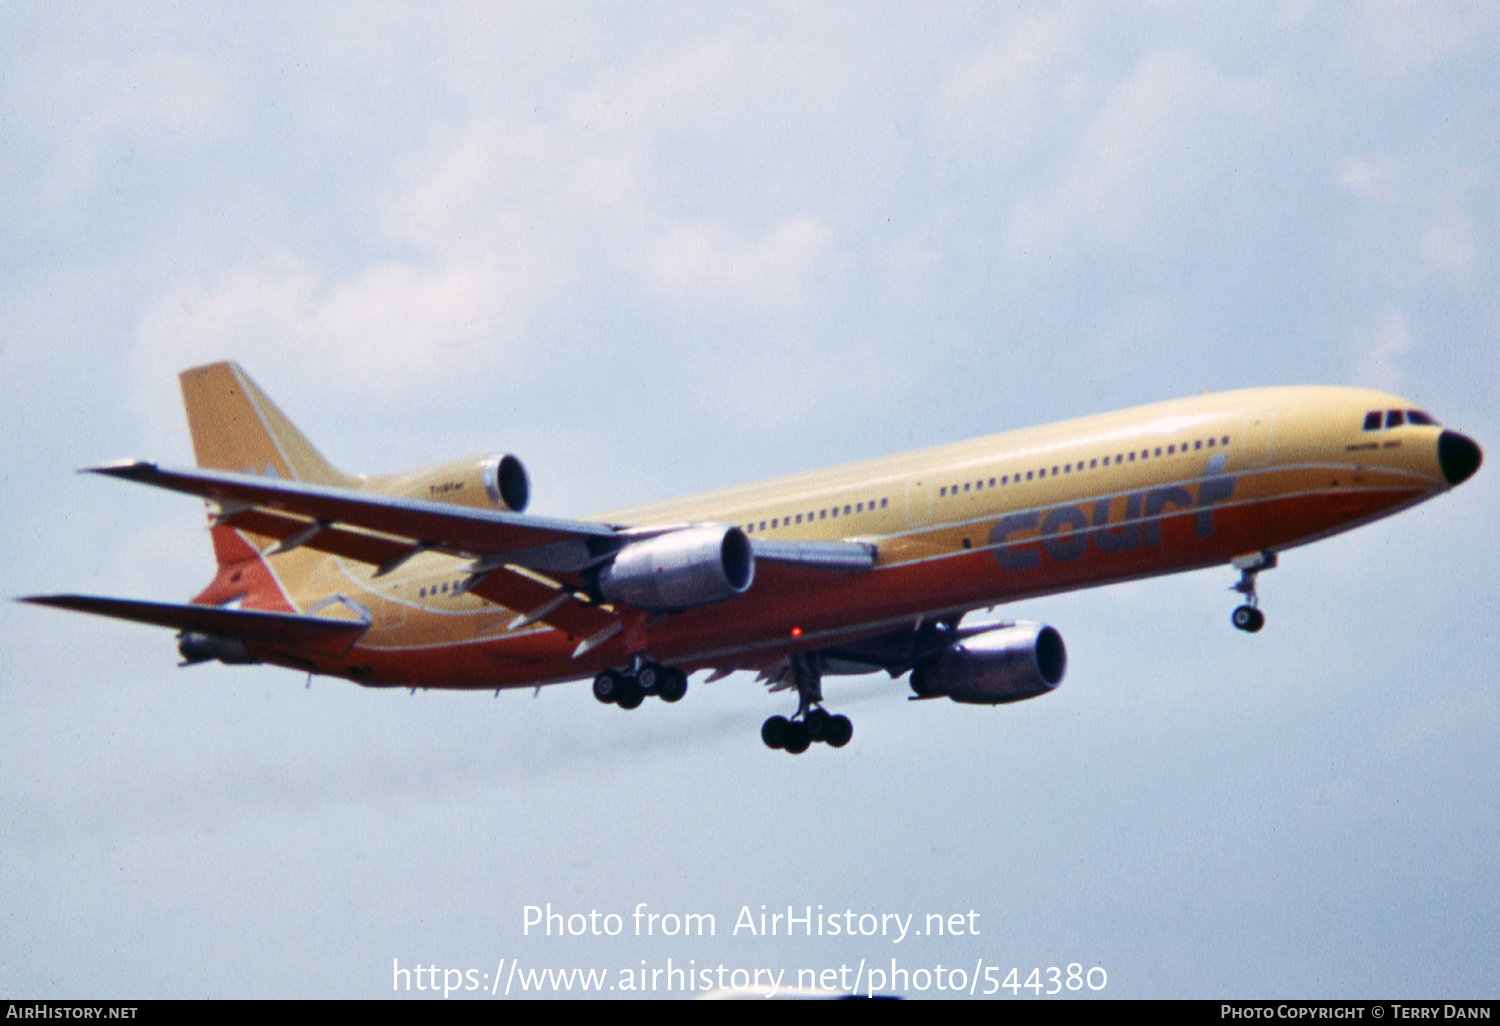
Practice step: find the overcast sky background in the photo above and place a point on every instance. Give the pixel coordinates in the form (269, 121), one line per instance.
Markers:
(658, 249)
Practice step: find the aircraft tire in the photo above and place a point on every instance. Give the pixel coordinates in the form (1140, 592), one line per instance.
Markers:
(773, 731)
(1248, 619)
(648, 678)
(608, 686)
(816, 722)
(630, 695)
(839, 731)
(672, 685)
(797, 737)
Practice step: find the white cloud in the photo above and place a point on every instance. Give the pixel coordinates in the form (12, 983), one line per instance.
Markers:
(702, 261)
(102, 110)
(1449, 245)
(393, 326)
(687, 86)
(1372, 179)
(1377, 352)
(1395, 39)
(1143, 163)
(995, 104)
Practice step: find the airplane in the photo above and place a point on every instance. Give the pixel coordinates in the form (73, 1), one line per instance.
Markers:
(438, 578)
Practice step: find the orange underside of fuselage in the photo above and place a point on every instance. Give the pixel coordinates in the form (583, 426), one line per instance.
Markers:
(754, 631)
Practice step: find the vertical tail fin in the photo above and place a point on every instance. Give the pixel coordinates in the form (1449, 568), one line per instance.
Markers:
(236, 427)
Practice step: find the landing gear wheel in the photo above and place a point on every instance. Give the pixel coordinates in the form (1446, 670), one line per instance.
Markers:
(648, 677)
(797, 738)
(816, 722)
(671, 685)
(630, 695)
(838, 731)
(608, 686)
(1248, 619)
(773, 731)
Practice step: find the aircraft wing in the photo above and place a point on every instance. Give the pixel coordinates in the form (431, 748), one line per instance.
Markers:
(287, 630)
(510, 586)
(522, 561)
(540, 542)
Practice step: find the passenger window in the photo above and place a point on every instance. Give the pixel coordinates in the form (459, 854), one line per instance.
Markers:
(846, 511)
(883, 503)
(1198, 444)
(1028, 474)
(1394, 418)
(762, 525)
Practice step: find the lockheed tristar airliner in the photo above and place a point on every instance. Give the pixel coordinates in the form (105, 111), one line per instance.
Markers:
(438, 578)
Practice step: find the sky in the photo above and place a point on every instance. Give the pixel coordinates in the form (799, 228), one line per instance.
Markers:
(657, 249)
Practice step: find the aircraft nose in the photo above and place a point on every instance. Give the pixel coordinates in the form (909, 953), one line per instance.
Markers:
(1458, 456)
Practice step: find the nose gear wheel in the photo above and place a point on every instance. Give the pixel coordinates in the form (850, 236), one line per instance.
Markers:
(1248, 617)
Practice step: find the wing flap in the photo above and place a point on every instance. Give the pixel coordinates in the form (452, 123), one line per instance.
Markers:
(500, 584)
(314, 634)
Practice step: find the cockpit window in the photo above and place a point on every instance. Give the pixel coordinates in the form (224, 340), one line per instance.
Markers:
(1418, 417)
(1372, 420)
(1394, 418)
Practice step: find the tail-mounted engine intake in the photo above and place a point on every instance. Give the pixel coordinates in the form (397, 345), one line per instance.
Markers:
(1003, 665)
(694, 566)
(488, 482)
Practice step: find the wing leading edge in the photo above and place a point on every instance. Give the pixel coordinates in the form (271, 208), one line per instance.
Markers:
(315, 634)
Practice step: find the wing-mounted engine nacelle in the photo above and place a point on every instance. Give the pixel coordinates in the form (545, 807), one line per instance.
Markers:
(488, 482)
(694, 566)
(1003, 665)
(200, 648)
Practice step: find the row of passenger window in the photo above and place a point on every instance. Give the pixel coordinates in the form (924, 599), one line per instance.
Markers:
(823, 514)
(1377, 419)
(1069, 468)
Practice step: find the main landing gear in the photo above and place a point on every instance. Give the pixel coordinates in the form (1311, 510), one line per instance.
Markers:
(1248, 617)
(629, 689)
(811, 722)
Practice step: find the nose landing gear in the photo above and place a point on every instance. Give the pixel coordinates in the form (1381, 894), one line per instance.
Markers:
(1248, 617)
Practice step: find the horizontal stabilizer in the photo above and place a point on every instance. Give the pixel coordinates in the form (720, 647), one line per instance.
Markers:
(254, 627)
